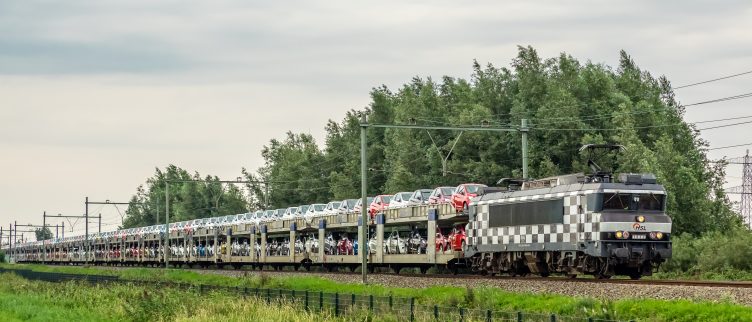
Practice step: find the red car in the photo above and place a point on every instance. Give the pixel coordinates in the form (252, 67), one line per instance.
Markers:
(378, 204)
(345, 246)
(457, 238)
(441, 195)
(461, 197)
(441, 242)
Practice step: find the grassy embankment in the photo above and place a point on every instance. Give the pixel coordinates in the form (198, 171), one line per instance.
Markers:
(486, 298)
(23, 300)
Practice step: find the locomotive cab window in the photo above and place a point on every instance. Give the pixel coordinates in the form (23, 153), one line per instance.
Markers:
(629, 202)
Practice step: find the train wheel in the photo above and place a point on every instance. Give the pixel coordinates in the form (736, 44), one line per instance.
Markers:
(465, 209)
(635, 274)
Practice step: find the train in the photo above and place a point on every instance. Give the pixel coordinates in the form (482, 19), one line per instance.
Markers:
(600, 224)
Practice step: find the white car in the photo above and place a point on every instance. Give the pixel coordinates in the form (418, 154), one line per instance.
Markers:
(269, 215)
(331, 208)
(291, 212)
(346, 206)
(315, 210)
(395, 244)
(302, 210)
(420, 197)
(212, 222)
(279, 213)
(358, 203)
(400, 200)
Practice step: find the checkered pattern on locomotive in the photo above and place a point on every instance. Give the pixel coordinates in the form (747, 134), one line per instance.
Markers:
(577, 224)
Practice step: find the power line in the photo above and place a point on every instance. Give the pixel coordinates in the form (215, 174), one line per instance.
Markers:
(713, 80)
(655, 126)
(722, 99)
(731, 146)
(722, 126)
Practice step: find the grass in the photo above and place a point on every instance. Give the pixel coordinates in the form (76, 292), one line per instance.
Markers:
(23, 300)
(484, 297)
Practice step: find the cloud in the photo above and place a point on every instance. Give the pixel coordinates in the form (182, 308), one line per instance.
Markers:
(94, 94)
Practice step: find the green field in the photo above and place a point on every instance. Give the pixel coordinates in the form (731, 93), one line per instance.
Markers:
(23, 300)
(485, 298)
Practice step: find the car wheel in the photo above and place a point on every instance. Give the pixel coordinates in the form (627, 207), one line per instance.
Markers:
(465, 209)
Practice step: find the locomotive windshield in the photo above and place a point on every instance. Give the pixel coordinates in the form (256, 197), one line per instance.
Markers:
(631, 202)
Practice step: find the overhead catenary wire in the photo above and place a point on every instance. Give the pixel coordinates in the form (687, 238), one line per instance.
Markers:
(655, 126)
(713, 80)
(722, 99)
(730, 146)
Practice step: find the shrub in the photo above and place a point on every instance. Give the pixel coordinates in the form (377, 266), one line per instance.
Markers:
(717, 255)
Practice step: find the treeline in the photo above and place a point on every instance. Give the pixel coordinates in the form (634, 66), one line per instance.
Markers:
(568, 103)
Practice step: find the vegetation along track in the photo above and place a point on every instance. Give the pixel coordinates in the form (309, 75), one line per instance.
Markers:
(699, 283)
(614, 289)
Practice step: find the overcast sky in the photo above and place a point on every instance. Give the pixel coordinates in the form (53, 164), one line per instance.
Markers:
(95, 94)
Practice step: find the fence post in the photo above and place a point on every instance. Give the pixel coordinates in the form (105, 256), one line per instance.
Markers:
(245, 291)
(462, 314)
(390, 302)
(370, 302)
(436, 312)
(293, 296)
(321, 301)
(336, 304)
(306, 300)
(589, 319)
(412, 309)
(279, 298)
(553, 317)
(488, 315)
(519, 316)
(201, 289)
(268, 296)
(352, 301)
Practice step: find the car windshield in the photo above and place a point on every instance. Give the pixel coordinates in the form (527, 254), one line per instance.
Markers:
(405, 195)
(447, 190)
(473, 188)
(335, 205)
(304, 208)
(351, 202)
(319, 207)
(425, 194)
(386, 199)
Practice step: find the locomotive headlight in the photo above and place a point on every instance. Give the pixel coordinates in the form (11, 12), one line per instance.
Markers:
(619, 235)
(640, 218)
(659, 235)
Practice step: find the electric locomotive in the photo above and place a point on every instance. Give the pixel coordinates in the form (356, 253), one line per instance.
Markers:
(596, 224)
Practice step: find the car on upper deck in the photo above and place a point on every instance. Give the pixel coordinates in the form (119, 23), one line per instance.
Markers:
(461, 198)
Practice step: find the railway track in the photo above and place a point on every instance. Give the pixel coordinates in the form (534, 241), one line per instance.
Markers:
(581, 280)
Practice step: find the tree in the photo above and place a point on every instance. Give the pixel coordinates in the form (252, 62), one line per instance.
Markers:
(567, 103)
(205, 197)
(43, 233)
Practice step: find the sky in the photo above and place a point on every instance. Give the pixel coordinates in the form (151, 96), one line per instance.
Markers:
(94, 95)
